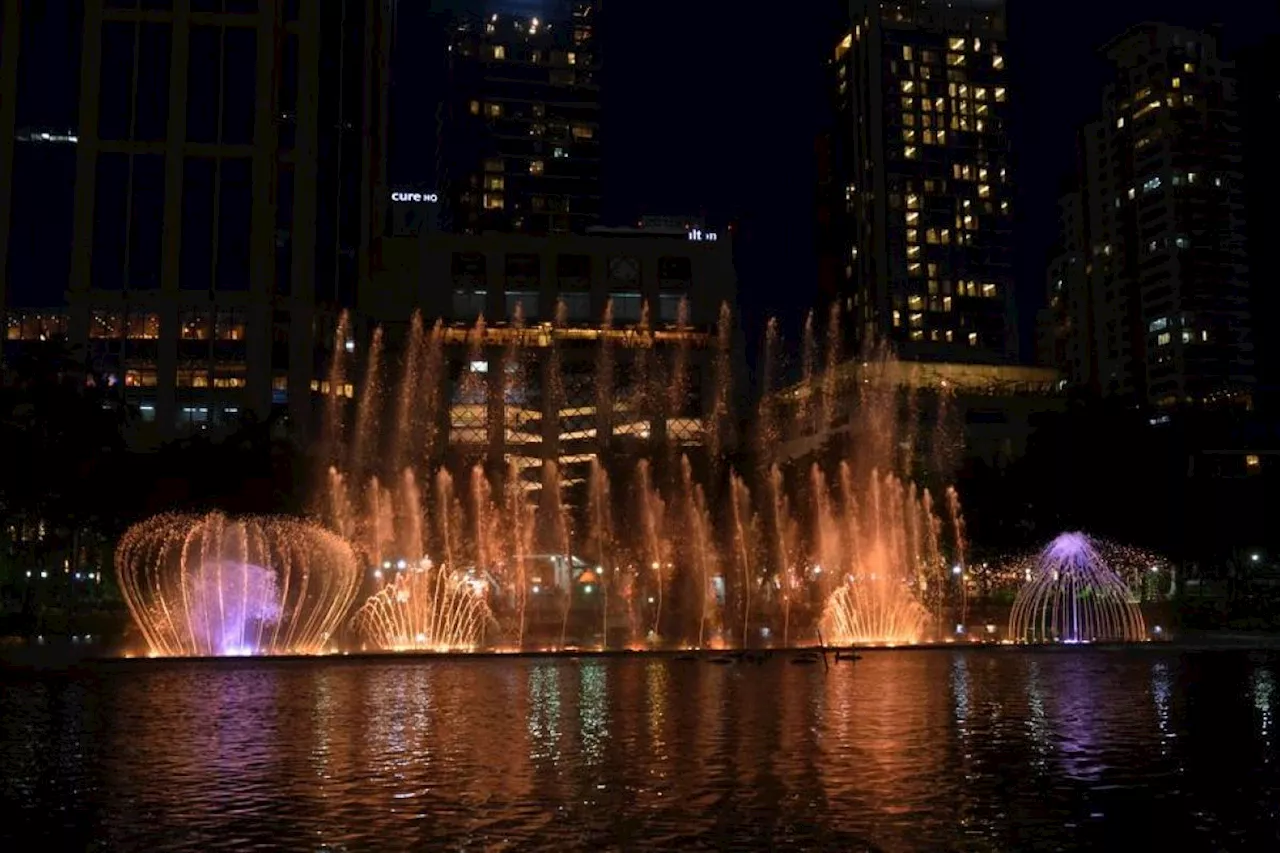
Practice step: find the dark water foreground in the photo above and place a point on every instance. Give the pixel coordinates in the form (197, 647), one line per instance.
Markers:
(975, 749)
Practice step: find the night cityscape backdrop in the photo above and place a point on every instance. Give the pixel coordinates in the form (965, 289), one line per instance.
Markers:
(605, 424)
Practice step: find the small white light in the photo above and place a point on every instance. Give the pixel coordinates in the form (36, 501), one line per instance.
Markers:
(955, 570)
(351, 345)
(587, 589)
(402, 564)
(536, 589)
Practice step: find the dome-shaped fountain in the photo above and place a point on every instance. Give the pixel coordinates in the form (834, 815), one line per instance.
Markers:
(1072, 596)
(426, 608)
(212, 586)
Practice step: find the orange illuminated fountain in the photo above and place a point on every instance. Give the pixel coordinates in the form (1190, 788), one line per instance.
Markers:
(426, 608)
(610, 516)
(206, 586)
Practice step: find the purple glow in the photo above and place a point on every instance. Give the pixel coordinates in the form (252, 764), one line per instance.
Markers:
(1073, 596)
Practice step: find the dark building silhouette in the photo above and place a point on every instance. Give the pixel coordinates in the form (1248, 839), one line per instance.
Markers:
(1149, 291)
(519, 141)
(201, 184)
(1259, 73)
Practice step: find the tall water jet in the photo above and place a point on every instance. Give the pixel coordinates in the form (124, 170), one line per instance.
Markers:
(211, 585)
(600, 511)
(743, 546)
(331, 440)
(426, 608)
(408, 410)
(767, 432)
(723, 378)
(656, 544)
(807, 413)
(364, 439)
(787, 569)
(700, 543)
(519, 517)
(1073, 596)
(830, 372)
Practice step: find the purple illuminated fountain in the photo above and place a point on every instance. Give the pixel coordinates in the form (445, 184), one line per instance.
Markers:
(1071, 595)
(214, 586)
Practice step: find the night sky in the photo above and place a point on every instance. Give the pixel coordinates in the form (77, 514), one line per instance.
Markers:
(712, 109)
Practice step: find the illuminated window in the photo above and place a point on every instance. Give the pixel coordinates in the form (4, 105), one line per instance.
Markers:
(913, 252)
(931, 236)
(955, 60)
(915, 302)
(908, 119)
(913, 201)
(229, 324)
(1000, 93)
(499, 51)
(1252, 460)
(913, 217)
(583, 131)
(914, 269)
(1189, 67)
(956, 43)
(950, 335)
(475, 108)
(571, 58)
(1177, 82)
(916, 320)
(908, 86)
(536, 167)
(494, 182)
(493, 201)
(143, 327)
(906, 52)
(908, 134)
(910, 152)
(977, 44)
(897, 318)
(493, 110)
(973, 339)
(917, 335)
(942, 137)
(929, 138)
(946, 303)
(1163, 339)
(997, 62)
(945, 236)
(980, 93)
(989, 290)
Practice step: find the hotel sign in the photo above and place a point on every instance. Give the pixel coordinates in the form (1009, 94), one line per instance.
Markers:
(410, 196)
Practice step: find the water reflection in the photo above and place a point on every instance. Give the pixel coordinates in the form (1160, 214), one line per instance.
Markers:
(965, 750)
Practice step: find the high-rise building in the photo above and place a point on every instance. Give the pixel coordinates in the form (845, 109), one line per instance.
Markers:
(520, 124)
(924, 178)
(1259, 72)
(1150, 291)
(197, 187)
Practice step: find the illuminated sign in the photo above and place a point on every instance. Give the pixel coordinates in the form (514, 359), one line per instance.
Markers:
(697, 235)
(405, 195)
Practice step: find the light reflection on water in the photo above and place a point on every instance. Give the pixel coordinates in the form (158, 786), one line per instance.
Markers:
(961, 750)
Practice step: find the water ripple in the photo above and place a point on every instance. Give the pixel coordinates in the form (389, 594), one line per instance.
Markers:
(965, 750)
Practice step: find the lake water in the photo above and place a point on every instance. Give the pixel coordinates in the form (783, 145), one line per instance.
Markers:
(996, 749)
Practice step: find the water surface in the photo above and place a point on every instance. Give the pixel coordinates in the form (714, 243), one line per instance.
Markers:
(999, 749)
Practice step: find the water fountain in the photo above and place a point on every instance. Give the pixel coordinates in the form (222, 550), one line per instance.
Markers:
(212, 585)
(1071, 595)
(665, 544)
(426, 608)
